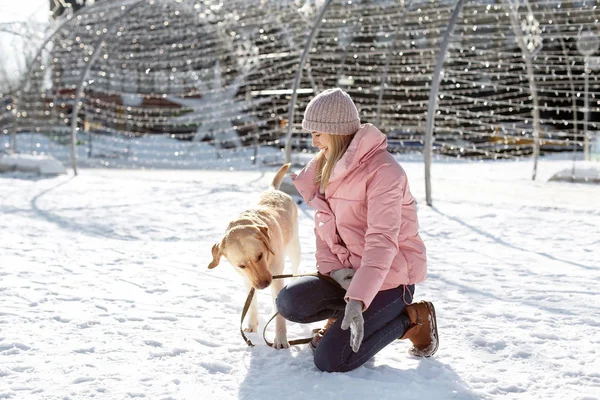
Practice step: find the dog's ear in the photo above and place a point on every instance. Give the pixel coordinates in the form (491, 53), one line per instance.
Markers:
(216, 254)
(264, 237)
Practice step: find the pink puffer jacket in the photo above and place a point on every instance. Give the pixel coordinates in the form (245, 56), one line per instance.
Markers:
(367, 219)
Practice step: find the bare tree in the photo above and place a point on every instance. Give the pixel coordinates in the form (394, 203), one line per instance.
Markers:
(21, 40)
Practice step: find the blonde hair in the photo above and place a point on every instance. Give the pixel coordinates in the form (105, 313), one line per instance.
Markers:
(338, 146)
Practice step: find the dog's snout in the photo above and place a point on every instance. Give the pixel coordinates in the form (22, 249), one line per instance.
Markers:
(263, 283)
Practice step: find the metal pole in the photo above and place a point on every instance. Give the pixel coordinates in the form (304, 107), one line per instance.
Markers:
(298, 77)
(88, 67)
(433, 94)
(532, 87)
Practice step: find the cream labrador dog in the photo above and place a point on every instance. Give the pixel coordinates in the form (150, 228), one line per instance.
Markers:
(256, 243)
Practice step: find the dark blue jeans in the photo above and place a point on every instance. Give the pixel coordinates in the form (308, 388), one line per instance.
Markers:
(310, 299)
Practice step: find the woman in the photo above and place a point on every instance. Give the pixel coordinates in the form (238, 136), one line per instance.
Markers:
(369, 253)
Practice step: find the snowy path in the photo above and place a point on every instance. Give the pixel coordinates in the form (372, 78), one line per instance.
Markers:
(104, 291)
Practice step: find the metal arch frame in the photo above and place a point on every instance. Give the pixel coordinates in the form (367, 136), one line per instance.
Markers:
(432, 107)
(298, 77)
(79, 90)
(41, 49)
(433, 98)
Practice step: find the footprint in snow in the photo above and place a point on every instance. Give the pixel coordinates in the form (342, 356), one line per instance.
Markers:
(165, 318)
(157, 290)
(164, 354)
(214, 367)
(208, 343)
(85, 351)
(83, 380)
(8, 349)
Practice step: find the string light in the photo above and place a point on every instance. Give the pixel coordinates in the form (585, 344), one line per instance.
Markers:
(208, 70)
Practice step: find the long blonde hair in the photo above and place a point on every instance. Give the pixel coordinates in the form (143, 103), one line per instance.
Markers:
(338, 146)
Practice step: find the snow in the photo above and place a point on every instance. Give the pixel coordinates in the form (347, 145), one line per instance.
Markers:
(40, 164)
(583, 171)
(105, 291)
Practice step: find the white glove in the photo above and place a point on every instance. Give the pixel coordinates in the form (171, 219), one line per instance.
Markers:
(343, 276)
(353, 318)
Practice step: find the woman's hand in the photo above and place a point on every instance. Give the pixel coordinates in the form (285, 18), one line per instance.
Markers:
(343, 276)
(353, 318)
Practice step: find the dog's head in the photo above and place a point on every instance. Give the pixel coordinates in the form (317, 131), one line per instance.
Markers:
(248, 249)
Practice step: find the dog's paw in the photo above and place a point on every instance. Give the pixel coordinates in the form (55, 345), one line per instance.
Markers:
(251, 328)
(280, 342)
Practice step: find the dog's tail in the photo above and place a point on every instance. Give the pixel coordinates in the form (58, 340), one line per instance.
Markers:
(280, 175)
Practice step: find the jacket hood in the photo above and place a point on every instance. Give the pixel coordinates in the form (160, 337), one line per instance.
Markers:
(367, 141)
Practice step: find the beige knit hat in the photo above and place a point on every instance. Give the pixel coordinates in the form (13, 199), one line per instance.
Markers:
(331, 111)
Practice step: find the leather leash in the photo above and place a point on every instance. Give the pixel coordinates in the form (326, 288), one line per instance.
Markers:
(251, 296)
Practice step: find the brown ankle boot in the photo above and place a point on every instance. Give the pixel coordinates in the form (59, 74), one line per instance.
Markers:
(423, 331)
(318, 334)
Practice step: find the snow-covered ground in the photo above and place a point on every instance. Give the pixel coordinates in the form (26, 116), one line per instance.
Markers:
(105, 291)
